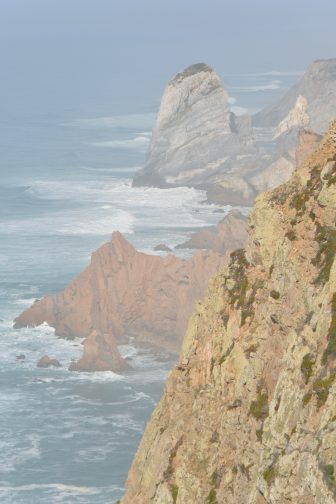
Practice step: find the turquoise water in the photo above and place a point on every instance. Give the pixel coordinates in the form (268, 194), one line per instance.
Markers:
(65, 185)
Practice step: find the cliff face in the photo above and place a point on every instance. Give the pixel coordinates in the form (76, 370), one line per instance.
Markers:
(248, 415)
(195, 134)
(309, 103)
(124, 293)
(230, 233)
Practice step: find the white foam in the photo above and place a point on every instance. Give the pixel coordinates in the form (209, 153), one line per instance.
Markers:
(238, 111)
(269, 86)
(135, 121)
(139, 143)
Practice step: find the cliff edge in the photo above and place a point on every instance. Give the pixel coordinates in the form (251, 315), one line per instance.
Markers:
(248, 415)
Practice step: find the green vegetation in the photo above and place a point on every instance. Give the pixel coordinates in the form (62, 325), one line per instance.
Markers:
(329, 473)
(275, 294)
(331, 347)
(321, 388)
(259, 407)
(235, 470)
(271, 270)
(212, 497)
(269, 474)
(259, 433)
(248, 308)
(174, 491)
(237, 268)
(307, 366)
(326, 238)
(306, 398)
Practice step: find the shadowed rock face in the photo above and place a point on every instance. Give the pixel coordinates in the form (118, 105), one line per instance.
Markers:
(125, 293)
(194, 133)
(248, 414)
(311, 103)
(229, 234)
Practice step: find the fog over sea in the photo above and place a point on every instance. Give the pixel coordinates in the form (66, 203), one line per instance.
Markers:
(65, 185)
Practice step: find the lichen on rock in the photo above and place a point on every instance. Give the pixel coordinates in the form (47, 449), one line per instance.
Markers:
(255, 403)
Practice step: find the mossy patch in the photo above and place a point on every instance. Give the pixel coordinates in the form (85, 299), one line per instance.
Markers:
(275, 294)
(269, 475)
(174, 492)
(306, 398)
(212, 497)
(321, 388)
(331, 347)
(326, 239)
(259, 407)
(307, 366)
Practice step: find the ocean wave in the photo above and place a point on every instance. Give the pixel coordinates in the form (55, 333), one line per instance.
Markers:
(139, 143)
(257, 88)
(134, 121)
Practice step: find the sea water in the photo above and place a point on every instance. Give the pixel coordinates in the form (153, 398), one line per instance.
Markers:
(65, 185)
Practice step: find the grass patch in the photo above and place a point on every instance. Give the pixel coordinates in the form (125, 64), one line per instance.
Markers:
(307, 366)
(331, 347)
(212, 497)
(174, 492)
(321, 388)
(259, 407)
(306, 398)
(269, 475)
(326, 238)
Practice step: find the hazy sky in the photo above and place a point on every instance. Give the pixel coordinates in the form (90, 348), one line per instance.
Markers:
(72, 52)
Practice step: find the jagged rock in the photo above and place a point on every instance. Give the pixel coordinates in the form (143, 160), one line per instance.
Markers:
(307, 142)
(249, 413)
(100, 354)
(46, 362)
(230, 233)
(124, 293)
(162, 248)
(20, 357)
(309, 103)
(195, 132)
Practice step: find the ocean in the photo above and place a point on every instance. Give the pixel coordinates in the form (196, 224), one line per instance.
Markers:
(65, 185)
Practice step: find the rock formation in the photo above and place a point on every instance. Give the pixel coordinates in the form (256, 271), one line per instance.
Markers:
(124, 293)
(46, 362)
(309, 103)
(196, 136)
(248, 415)
(197, 141)
(229, 234)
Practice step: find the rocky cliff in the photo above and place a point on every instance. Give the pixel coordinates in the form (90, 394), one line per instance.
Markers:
(124, 293)
(248, 415)
(229, 234)
(310, 103)
(196, 136)
(197, 141)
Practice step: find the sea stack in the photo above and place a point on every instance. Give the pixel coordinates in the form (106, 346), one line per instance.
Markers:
(195, 131)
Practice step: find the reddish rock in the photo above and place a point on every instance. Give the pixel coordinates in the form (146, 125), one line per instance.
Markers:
(100, 354)
(229, 234)
(46, 362)
(125, 293)
(307, 143)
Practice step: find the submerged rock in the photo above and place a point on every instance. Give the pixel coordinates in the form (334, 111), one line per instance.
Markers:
(162, 247)
(46, 362)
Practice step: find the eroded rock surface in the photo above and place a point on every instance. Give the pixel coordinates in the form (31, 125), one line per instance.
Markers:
(248, 415)
(124, 293)
(230, 233)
